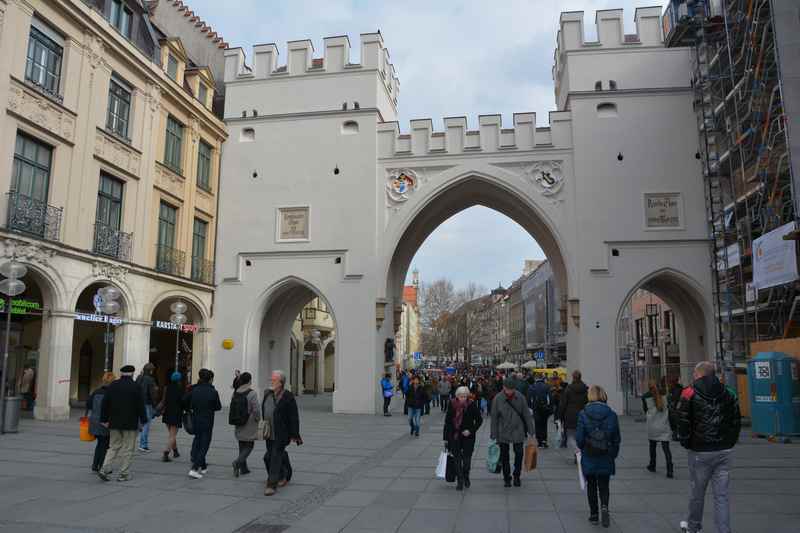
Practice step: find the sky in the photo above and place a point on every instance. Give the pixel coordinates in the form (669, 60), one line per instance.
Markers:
(453, 58)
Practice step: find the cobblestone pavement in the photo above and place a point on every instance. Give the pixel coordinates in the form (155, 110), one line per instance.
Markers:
(358, 473)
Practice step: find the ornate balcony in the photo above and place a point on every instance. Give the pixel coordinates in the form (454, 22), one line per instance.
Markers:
(169, 260)
(112, 242)
(202, 270)
(34, 217)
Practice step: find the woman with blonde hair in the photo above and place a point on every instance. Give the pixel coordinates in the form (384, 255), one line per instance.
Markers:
(93, 410)
(598, 438)
(461, 423)
(655, 407)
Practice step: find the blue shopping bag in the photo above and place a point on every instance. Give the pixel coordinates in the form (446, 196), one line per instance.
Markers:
(493, 457)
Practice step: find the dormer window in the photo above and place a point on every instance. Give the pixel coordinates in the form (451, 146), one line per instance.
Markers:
(172, 67)
(121, 17)
(202, 93)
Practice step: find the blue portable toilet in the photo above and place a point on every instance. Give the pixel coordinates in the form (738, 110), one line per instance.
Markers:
(774, 394)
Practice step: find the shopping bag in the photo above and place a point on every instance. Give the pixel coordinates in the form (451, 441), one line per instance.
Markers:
(531, 453)
(450, 469)
(581, 479)
(84, 430)
(493, 458)
(441, 467)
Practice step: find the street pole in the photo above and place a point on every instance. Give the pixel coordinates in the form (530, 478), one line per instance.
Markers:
(177, 348)
(105, 341)
(5, 369)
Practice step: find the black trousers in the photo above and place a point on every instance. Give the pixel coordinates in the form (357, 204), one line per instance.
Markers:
(245, 447)
(595, 485)
(667, 453)
(505, 459)
(444, 399)
(386, 402)
(276, 461)
(100, 450)
(200, 446)
(540, 421)
(462, 453)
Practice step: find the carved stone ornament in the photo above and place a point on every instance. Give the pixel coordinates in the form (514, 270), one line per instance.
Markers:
(153, 97)
(117, 153)
(400, 184)
(547, 177)
(109, 271)
(26, 252)
(194, 129)
(39, 110)
(169, 181)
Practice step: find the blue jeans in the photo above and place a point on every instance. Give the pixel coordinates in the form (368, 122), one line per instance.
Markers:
(709, 468)
(144, 436)
(413, 418)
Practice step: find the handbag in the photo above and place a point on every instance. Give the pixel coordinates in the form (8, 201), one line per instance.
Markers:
(188, 422)
(450, 469)
(441, 466)
(264, 431)
(531, 453)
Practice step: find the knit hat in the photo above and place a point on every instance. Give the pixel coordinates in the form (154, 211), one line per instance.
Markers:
(509, 383)
(127, 369)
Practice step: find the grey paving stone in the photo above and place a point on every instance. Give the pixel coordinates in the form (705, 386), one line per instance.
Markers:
(471, 521)
(378, 518)
(429, 521)
(525, 522)
(352, 498)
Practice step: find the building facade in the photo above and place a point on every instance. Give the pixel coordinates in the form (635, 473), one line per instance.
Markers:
(544, 325)
(408, 340)
(111, 152)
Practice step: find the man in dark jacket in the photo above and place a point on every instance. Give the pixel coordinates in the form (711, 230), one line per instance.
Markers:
(147, 383)
(123, 413)
(202, 402)
(539, 401)
(572, 402)
(709, 423)
(279, 409)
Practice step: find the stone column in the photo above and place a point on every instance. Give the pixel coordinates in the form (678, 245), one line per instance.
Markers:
(321, 369)
(53, 381)
(135, 346)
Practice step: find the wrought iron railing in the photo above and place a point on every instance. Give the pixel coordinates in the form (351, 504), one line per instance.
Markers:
(34, 217)
(169, 260)
(112, 242)
(202, 270)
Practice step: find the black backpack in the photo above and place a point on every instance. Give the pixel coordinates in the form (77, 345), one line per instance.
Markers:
(597, 441)
(239, 412)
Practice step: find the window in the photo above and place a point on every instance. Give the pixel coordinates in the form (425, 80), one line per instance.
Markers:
(109, 202)
(199, 237)
(119, 107)
(44, 61)
(204, 166)
(167, 258)
(31, 172)
(121, 17)
(172, 67)
(174, 144)
(311, 313)
(202, 93)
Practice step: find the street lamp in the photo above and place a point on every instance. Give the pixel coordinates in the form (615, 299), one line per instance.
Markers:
(178, 317)
(105, 302)
(9, 287)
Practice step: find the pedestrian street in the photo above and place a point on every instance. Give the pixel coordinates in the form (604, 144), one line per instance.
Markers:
(362, 473)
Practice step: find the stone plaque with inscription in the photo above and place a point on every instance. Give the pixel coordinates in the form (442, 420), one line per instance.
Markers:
(662, 210)
(293, 223)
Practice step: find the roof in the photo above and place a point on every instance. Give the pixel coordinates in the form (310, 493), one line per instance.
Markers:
(410, 294)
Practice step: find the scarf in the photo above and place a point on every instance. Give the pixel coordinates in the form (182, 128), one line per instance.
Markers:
(459, 407)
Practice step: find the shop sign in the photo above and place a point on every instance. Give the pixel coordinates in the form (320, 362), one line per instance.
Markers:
(774, 259)
(101, 319)
(21, 306)
(184, 328)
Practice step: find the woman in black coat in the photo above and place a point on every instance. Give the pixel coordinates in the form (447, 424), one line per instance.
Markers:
(461, 423)
(171, 413)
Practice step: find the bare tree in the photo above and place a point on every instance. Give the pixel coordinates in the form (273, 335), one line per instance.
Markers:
(437, 302)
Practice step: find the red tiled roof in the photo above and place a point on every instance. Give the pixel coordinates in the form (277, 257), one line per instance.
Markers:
(410, 294)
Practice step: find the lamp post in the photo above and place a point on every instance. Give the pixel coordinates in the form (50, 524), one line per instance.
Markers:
(105, 303)
(178, 317)
(9, 287)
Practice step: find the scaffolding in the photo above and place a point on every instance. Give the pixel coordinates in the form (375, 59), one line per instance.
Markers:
(745, 158)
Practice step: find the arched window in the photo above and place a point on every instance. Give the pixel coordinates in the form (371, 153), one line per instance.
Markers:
(606, 110)
(349, 127)
(598, 86)
(247, 135)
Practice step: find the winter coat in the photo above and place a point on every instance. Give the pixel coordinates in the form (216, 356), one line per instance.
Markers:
(203, 402)
(507, 425)
(149, 388)
(598, 414)
(444, 387)
(405, 383)
(708, 416)
(171, 407)
(94, 407)
(539, 398)
(471, 421)
(123, 405)
(416, 398)
(249, 431)
(572, 401)
(657, 421)
(285, 418)
(387, 388)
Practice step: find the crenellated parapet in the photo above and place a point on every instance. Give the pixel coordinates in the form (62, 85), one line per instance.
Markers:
(457, 138)
(301, 61)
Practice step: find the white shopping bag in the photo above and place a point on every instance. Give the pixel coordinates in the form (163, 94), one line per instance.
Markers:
(441, 467)
(581, 479)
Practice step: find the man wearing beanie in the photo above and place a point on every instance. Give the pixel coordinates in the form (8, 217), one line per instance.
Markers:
(123, 413)
(511, 424)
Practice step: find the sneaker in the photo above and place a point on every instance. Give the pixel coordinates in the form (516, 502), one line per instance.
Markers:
(416, 433)
(594, 519)
(123, 477)
(195, 474)
(283, 482)
(203, 471)
(412, 432)
(507, 483)
(235, 469)
(517, 482)
(268, 491)
(165, 457)
(144, 449)
(651, 468)
(243, 471)
(103, 475)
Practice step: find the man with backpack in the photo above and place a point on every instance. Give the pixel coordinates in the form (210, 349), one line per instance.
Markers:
(511, 424)
(709, 422)
(244, 414)
(147, 384)
(202, 402)
(541, 405)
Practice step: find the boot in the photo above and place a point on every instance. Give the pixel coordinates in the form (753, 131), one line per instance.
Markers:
(651, 467)
(165, 458)
(605, 518)
(460, 483)
(670, 472)
(175, 453)
(466, 479)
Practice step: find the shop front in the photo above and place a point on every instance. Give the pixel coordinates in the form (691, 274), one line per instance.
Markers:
(24, 339)
(171, 341)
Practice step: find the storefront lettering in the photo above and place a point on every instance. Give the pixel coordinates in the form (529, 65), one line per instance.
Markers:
(21, 307)
(184, 328)
(102, 319)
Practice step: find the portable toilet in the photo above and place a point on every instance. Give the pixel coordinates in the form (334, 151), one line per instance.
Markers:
(774, 394)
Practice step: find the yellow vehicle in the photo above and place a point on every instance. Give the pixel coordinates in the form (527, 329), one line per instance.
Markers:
(548, 372)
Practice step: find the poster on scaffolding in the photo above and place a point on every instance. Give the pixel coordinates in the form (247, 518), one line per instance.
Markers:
(774, 259)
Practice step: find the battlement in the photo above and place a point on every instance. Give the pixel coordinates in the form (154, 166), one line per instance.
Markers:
(610, 30)
(301, 60)
(459, 139)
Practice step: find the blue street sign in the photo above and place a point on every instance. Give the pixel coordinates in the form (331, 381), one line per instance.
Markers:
(417, 356)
